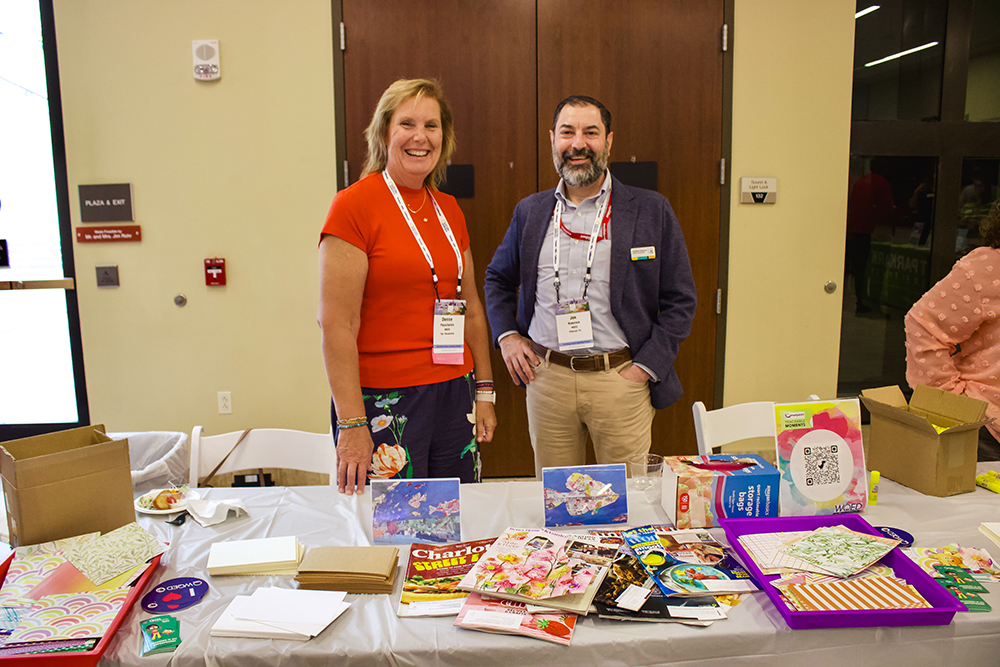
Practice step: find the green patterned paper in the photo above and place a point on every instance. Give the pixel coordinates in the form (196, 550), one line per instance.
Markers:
(839, 550)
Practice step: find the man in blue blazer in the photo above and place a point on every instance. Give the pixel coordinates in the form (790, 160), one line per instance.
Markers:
(589, 296)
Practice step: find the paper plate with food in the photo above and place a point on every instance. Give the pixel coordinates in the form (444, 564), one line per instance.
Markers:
(165, 501)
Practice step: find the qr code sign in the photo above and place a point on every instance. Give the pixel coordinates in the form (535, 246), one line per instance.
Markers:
(821, 465)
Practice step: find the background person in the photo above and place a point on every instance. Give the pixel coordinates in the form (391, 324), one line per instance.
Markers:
(953, 331)
(620, 251)
(393, 250)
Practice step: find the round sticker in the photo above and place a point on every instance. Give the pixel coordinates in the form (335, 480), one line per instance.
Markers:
(906, 540)
(174, 595)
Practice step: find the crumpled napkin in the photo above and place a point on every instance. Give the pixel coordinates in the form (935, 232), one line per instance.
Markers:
(211, 512)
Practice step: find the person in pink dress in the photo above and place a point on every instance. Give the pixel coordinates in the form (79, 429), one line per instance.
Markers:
(953, 331)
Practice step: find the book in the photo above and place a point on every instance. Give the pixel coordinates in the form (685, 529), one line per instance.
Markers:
(821, 457)
(625, 571)
(269, 555)
(510, 617)
(991, 529)
(433, 571)
(416, 510)
(688, 563)
(349, 569)
(585, 495)
(532, 566)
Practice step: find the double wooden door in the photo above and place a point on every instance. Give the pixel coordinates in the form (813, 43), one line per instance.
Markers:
(505, 64)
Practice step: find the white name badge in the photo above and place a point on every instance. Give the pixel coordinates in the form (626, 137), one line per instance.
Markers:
(573, 325)
(449, 332)
(645, 252)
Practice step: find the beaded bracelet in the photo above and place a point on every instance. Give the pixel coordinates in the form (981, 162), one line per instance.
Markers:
(353, 421)
(359, 424)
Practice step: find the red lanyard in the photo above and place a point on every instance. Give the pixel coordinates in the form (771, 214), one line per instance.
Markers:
(579, 236)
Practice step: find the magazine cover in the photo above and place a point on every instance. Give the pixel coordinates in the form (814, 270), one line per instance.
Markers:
(688, 563)
(821, 458)
(416, 510)
(585, 495)
(531, 565)
(627, 571)
(510, 617)
(430, 583)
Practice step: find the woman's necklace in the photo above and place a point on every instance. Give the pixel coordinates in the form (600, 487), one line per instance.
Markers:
(422, 202)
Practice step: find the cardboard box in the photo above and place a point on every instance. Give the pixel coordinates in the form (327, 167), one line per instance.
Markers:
(67, 483)
(904, 445)
(698, 490)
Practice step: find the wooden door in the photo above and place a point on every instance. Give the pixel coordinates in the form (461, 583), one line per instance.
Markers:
(657, 66)
(483, 53)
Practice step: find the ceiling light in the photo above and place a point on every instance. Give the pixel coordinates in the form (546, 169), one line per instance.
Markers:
(901, 54)
(866, 11)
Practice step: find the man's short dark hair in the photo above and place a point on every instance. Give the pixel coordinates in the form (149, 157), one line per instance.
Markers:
(583, 100)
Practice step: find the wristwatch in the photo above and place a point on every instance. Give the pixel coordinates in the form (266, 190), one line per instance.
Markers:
(488, 396)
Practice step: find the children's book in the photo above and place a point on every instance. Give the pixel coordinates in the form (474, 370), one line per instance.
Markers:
(627, 571)
(416, 510)
(821, 457)
(532, 566)
(510, 617)
(432, 575)
(688, 563)
(585, 495)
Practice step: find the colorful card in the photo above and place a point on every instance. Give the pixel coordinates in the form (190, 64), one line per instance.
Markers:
(76, 616)
(416, 510)
(160, 634)
(585, 495)
(115, 553)
(821, 458)
(971, 601)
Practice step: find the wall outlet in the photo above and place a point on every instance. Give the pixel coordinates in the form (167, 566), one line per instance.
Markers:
(225, 403)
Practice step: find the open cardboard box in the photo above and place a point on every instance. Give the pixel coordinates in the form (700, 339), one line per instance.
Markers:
(905, 446)
(66, 483)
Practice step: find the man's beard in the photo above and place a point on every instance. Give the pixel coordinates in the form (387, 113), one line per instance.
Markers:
(580, 176)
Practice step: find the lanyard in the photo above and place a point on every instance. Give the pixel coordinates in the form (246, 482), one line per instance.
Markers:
(420, 241)
(600, 222)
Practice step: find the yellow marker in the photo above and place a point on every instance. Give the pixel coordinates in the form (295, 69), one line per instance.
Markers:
(873, 488)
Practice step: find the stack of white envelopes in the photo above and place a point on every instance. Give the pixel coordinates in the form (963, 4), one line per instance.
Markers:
(280, 613)
(269, 555)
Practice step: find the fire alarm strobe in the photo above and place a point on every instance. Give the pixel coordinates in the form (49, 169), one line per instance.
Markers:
(215, 271)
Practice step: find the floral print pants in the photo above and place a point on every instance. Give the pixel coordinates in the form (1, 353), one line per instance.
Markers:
(424, 431)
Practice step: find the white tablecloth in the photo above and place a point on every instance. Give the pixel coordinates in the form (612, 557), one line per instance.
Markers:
(369, 633)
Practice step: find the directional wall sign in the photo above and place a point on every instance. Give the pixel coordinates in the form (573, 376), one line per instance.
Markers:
(758, 190)
(106, 203)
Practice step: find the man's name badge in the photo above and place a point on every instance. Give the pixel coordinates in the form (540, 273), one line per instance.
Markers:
(449, 332)
(646, 252)
(573, 325)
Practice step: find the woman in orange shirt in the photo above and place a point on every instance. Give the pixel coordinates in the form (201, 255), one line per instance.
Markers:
(409, 373)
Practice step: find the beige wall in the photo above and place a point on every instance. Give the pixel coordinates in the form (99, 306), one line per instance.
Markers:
(244, 169)
(792, 121)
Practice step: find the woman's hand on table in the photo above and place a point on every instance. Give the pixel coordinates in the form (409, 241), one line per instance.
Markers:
(354, 459)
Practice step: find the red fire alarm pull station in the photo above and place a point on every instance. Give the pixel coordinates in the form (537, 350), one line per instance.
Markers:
(215, 271)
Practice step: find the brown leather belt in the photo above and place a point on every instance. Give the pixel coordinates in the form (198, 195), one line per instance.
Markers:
(583, 363)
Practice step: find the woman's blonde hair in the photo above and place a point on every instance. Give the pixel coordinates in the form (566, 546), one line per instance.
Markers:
(377, 132)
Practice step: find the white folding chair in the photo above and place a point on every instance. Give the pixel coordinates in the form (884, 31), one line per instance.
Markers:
(717, 428)
(262, 448)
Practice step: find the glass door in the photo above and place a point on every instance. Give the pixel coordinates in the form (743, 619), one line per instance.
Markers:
(42, 385)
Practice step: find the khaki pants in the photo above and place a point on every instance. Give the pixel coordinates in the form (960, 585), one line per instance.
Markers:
(563, 406)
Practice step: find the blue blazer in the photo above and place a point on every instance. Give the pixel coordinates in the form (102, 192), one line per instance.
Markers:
(653, 300)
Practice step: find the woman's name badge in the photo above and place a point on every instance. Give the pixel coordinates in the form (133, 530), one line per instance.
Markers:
(573, 325)
(449, 332)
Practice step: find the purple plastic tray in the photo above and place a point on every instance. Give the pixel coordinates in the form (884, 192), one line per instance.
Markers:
(941, 613)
